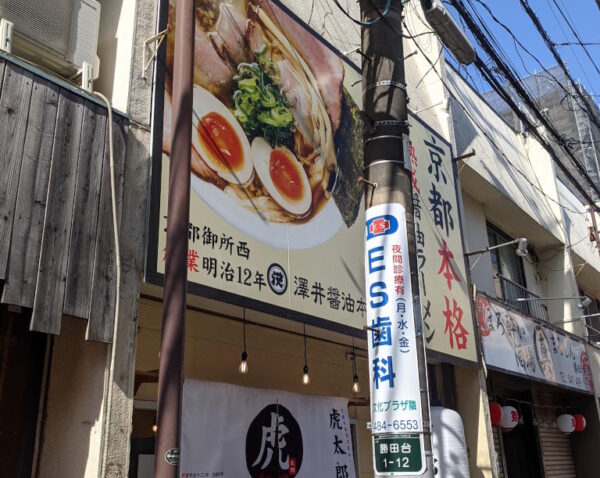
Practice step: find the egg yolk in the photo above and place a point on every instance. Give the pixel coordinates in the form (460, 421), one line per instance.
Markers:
(285, 175)
(220, 141)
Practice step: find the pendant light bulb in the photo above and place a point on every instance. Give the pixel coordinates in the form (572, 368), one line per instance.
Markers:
(305, 376)
(355, 385)
(243, 368)
(154, 428)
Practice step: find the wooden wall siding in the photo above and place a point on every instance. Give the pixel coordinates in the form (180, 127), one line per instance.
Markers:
(56, 246)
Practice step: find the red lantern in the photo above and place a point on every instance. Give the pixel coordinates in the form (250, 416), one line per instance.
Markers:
(510, 418)
(495, 413)
(579, 422)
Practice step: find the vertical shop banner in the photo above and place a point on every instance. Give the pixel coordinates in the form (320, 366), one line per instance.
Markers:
(446, 308)
(231, 431)
(275, 208)
(518, 344)
(394, 366)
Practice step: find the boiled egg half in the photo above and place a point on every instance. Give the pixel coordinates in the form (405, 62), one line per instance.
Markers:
(283, 177)
(219, 139)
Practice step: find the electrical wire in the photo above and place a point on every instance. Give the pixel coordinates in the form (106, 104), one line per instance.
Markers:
(560, 26)
(476, 123)
(370, 22)
(536, 21)
(574, 31)
(551, 76)
(498, 87)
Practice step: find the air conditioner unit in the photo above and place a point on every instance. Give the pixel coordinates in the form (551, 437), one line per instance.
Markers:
(56, 34)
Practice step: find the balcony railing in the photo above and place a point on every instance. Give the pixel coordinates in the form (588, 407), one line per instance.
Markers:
(511, 291)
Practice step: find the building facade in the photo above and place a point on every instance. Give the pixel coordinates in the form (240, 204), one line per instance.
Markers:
(79, 398)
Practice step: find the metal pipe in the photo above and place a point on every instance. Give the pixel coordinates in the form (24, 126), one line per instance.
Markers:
(526, 299)
(170, 375)
(595, 226)
(491, 248)
(113, 346)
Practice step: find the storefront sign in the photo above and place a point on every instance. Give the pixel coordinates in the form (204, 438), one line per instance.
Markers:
(518, 344)
(230, 431)
(276, 210)
(594, 358)
(394, 367)
(445, 304)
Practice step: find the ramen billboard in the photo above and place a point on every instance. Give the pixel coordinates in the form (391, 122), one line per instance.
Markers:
(276, 214)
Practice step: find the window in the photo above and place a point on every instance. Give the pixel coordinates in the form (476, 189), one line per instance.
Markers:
(593, 322)
(508, 271)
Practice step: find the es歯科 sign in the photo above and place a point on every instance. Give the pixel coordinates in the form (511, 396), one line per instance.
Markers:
(393, 361)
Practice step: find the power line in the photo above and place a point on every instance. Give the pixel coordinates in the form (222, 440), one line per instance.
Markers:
(477, 124)
(559, 60)
(565, 14)
(550, 76)
(569, 141)
(580, 43)
(370, 22)
(515, 83)
(548, 148)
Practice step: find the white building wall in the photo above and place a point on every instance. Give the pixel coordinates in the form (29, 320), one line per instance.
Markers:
(515, 169)
(115, 48)
(71, 439)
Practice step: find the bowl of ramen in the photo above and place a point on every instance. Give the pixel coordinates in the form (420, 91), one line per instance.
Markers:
(276, 139)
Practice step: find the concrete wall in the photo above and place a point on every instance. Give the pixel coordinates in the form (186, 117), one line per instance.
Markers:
(115, 49)
(585, 253)
(475, 236)
(73, 428)
(508, 173)
(473, 407)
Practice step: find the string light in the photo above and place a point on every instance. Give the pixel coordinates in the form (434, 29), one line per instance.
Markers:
(305, 376)
(355, 384)
(243, 368)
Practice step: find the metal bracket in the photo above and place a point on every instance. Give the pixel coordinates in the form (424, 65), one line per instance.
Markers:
(395, 84)
(384, 136)
(159, 37)
(87, 77)
(6, 34)
(389, 123)
(464, 156)
(366, 181)
(377, 330)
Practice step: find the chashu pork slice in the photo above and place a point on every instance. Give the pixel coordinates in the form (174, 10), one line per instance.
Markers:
(324, 63)
(229, 37)
(295, 90)
(210, 70)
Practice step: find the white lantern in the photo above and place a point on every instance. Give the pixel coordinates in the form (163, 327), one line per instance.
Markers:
(566, 423)
(510, 418)
(449, 446)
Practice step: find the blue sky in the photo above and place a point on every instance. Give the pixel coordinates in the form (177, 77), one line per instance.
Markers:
(584, 15)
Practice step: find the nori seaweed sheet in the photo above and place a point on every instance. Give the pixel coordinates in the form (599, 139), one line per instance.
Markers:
(349, 151)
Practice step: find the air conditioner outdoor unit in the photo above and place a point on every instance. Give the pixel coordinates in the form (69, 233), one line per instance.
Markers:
(56, 34)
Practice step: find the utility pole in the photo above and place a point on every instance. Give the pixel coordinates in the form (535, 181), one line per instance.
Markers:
(388, 196)
(170, 374)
